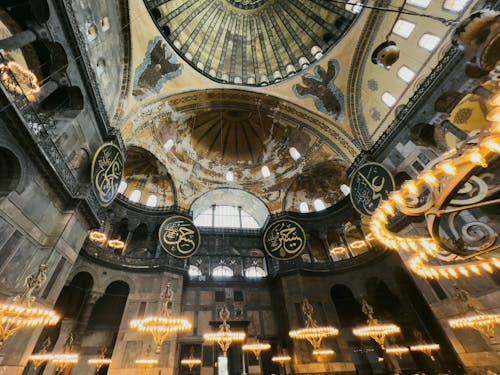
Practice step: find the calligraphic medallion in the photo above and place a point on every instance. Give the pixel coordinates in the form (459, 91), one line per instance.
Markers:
(106, 174)
(284, 239)
(371, 184)
(179, 236)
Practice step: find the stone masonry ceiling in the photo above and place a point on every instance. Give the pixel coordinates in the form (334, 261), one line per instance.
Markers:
(251, 42)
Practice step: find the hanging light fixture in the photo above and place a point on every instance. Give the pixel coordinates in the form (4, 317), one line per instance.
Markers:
(67, 358)
(312, 332)
(100, 361)
(323, 352)
(376, 331)
(256, 348)
(98, 237)
(224, 337)
(435, 191)
(43, 355)
(163, 325)
(20, 314)
(191, 361)
(397, 350)
(146, 362)
(481, 322)
(425, 348)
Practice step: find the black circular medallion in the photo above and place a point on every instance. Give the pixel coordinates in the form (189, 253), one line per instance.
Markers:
(284, 239)
(179, 236)
(106, 174)
(371, 184)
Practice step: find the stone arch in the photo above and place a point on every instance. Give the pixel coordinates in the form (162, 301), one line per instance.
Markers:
(65, 101)
(10, 172)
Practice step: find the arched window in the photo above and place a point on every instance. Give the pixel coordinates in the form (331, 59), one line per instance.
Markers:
(222, 271)
(406, 74)
(255, 272)
(152, 201)
(388, 99)
(346, 190)
(226, 217)
(455, 5)
(135, 196)
(294, 153)
(403, 28)
(265, 171)
(122, 187)
(319, 204)
(194, 271)
(429, 42)
(304, 207)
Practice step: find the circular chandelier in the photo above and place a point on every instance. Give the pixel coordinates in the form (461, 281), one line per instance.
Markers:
(323, 352)
(484, 323)
(67, 358)
(376, 331)
(481, 322)
(20, 314)
(438, 193)
(101, 239)
(100, 361)
(312, 332)
(224, 337)
(256, 348)
(163, 325)
(397, 350)
(43, 356)
(425, 348)
(146, 362)
(191, 361)
(281, 359)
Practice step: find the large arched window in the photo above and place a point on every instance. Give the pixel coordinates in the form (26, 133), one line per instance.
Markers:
(222, 271)
(194, 271)
(255, 272)
(135, 196)
(152, 201)
(226, 217)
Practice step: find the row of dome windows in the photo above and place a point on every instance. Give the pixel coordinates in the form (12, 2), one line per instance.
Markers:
(222, 271)
(427, 41)
(449, 5)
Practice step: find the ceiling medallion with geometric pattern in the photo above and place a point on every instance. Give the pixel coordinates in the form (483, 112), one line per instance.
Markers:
(251, 42)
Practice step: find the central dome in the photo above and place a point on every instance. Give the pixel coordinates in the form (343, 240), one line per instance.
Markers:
(251, 42)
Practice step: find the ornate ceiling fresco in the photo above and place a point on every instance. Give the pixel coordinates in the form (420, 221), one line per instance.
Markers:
(201, 136)
(144, 172)
(183, 105)
(250, 42)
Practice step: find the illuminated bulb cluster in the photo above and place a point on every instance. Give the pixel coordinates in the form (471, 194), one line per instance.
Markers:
(426, 348)
(323, 352)
(97, 237)
(256, 348)
(160, 327)
(191, 362)
(281, 358)
(116, 244)
(484, 323)
(397, 350)
(487, 147)
(313, 332)
(146, 362)
(63, 360)
(99, 361)
(27, 317)
(376, 330)
(224, 337)
(101, 239)
(25, 81)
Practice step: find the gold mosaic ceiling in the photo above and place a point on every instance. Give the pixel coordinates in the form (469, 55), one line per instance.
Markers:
(251, 42)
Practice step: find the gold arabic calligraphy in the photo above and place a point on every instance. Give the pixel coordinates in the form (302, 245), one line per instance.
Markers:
(109, 174)
(284, 238)
(179, 236)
